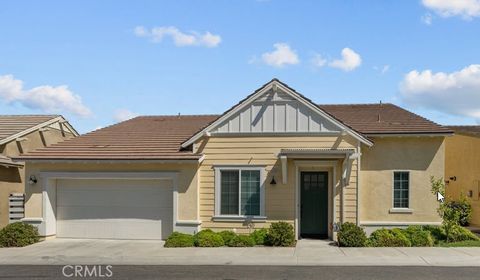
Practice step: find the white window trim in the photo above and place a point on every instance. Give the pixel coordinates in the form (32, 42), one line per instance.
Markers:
(218, 216)
(401, 209)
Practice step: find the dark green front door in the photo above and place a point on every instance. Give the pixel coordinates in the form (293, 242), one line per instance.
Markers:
(314, 204)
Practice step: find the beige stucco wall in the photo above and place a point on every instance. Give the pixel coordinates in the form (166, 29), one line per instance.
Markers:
(462, 160)
(422, 157)
(12, 179)
(187, 182)
(263, 151)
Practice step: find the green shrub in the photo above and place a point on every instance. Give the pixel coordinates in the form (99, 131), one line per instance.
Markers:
(177, 239)
(437, 233)
(280, 234)
(418, 236)
(259, 236)
(389, 238)
(351, 235)
(227, 235)
(459, 233)
(241, 241)
(18, 235)
(208, 238)
(464, 210)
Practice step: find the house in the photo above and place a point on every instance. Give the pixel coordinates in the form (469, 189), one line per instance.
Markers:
(274, 156)
(462, 167)
(20, 134)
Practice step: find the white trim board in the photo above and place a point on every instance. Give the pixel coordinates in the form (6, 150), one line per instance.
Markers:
(275, 85)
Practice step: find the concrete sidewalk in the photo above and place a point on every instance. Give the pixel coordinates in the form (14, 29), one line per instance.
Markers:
(307, 253)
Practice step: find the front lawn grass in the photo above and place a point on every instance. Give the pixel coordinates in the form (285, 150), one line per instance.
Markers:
(467, 243)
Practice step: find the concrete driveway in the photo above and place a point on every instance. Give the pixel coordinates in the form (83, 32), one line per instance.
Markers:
(307, 252)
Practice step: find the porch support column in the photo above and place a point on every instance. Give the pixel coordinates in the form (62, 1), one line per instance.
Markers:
(283, 159)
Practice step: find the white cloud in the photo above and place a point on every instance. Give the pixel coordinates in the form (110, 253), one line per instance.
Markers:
(456, 93)
(385, 69)
(45, 98)
(180, 39)
(427, 19)
(318, 60)
(121, 115)
(448, 8)
(282, 55)
(349, 61)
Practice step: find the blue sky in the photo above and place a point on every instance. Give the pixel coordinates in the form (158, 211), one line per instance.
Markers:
(122, 58)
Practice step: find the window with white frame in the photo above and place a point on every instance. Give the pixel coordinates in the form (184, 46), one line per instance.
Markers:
(401, 186)
(239, 191)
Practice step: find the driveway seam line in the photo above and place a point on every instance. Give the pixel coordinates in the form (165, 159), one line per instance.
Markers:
(401, 252)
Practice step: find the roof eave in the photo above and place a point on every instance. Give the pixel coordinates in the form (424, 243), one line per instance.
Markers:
(108, 160)
(406, 134)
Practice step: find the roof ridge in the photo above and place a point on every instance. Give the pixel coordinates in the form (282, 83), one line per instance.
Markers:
(188, 115)
(31, 115)
(357, 104)
(466, 125)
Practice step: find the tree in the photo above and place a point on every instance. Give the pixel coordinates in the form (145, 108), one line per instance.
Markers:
(450, 216)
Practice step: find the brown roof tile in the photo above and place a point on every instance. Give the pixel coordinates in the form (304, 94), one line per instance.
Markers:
(148, 137)
(6, 161)
(386, 118)
(466, 129)
(13, 124)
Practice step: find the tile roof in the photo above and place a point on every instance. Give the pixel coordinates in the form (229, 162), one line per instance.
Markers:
(146, 138)
(466, 129)
(385, 118)
(6, 161)
(160, 137)
(13, 124)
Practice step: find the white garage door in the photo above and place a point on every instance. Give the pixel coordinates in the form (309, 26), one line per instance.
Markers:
(114, 209)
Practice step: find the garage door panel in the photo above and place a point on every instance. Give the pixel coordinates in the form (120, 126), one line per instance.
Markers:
(126, 229)
(110, 212)
(118, 209)
(127, 198)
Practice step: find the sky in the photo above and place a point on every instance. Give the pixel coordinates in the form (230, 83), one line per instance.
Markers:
(100, 62)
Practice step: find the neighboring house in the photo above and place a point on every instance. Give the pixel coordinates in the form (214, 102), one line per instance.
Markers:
(275, 156)
(462, 167)
(21, 134)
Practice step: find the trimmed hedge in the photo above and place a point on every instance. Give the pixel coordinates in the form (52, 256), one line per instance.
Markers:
(18, 235)
(389, 238)
(459, 233)
(351, 235)
(280, 234)
(208, 238)
(177, 239)
(227, 236)
(438, 234)
(419, 237)
(241, 241)
(259, 235)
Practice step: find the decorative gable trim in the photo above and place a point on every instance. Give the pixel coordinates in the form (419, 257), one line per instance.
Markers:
(287, 95)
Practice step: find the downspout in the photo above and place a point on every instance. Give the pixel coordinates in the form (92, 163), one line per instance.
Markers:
(358, 181)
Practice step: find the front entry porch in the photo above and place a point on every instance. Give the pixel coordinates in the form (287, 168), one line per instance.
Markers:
(321, 180)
